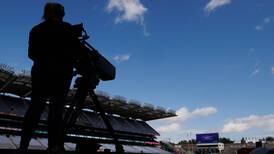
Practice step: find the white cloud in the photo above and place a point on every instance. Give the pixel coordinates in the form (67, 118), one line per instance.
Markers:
(234, 127)
(130, 11)
(259, 27)
(256, 69)
(173, 127)
(204, 111)
(265, 123)
(121, 58)
(183, 114)
(255, 72)
(266, 21)
(214, 4)
(169, 128)
(272, 70)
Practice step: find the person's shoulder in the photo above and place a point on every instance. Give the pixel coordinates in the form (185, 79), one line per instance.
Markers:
(37, 27)
(66, 24)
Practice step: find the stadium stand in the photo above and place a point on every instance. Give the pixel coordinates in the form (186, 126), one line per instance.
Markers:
(128, 118)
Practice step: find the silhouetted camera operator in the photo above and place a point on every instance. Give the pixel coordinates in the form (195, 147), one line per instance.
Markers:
(52, 48)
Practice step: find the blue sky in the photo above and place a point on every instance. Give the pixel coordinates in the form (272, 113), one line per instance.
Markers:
(210, 60)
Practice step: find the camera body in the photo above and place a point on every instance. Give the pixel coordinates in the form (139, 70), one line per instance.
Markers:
(89, 61)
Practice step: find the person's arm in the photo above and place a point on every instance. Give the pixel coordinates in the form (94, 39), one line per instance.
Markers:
(32, 46)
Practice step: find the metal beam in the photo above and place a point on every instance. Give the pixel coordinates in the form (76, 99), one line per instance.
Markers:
(9, 81)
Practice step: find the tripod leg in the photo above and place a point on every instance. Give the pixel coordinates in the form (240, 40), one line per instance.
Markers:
(76, 106)
(119, 148)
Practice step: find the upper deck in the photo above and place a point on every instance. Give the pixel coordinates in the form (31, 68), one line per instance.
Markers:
(19, 84)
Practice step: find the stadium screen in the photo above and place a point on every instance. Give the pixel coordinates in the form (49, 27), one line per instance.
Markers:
(207, 138)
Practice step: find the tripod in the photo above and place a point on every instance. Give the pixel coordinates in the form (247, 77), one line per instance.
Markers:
(93, 67)
(85, 86)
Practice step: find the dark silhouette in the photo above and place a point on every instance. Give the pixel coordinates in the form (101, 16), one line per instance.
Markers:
(52, 48)
(92, 67)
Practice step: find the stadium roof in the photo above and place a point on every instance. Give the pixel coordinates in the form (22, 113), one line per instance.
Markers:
(20, 84)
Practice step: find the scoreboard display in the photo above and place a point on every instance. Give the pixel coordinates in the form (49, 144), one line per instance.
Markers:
(207, 138)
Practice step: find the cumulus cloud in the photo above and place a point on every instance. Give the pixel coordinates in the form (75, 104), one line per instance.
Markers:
(131, 10)
(184, 114)
(265, 22)
(173, 127)
(169, 128)
(121, 58)
(264, 122)
(128, 11)
(272, 70)
(214, 4)
(204, 111)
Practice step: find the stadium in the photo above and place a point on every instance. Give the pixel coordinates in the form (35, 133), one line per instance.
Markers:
(127, 117)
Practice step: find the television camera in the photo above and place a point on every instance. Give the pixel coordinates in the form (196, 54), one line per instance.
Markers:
(91, 67)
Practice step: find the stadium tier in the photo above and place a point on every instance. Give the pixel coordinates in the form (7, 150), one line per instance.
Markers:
(128, 118)
(20, 85)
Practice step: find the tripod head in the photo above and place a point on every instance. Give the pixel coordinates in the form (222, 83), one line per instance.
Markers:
(89, 62)
(80, 32)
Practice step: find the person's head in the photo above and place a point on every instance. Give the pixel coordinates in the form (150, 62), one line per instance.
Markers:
(53, 11)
